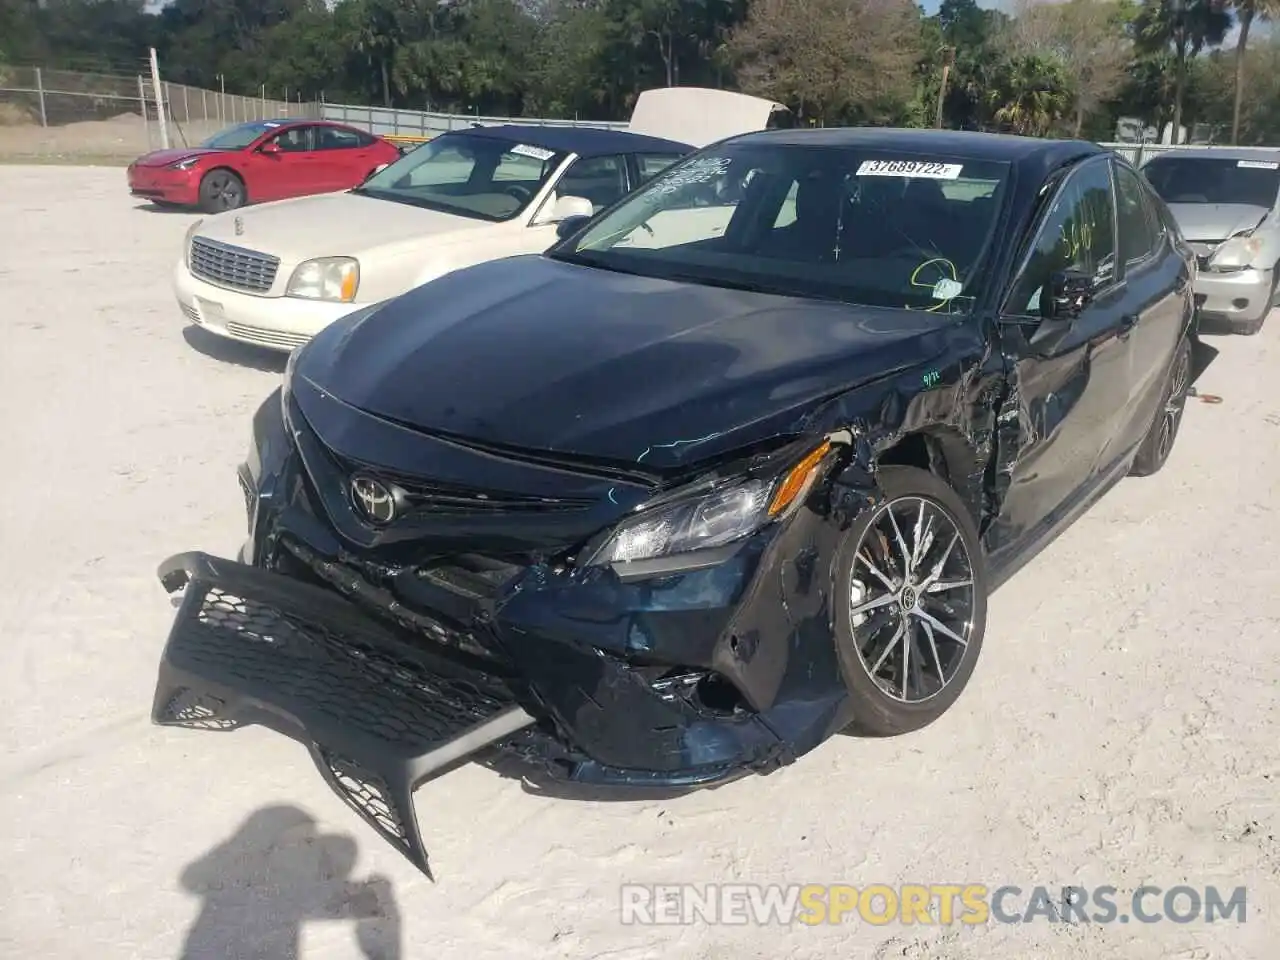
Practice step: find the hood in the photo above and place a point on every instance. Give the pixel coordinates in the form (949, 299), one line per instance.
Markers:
(162, 158)
(699, 115)
(533, 354)
(1215, 221)
(331, 224)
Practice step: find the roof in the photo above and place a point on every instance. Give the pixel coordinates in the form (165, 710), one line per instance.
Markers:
(584, 141)
(1220, 153)
(965, 144)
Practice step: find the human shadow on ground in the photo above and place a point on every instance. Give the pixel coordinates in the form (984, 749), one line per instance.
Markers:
(226, 350)
(274, 873)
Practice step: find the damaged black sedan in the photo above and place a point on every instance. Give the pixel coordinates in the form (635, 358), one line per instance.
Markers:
(733, 467)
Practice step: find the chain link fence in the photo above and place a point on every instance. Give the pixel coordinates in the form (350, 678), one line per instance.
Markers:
(58, 113)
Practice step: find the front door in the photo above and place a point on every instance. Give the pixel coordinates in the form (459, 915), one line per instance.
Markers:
(285, 168)
(1070, 385)
(1156, 278)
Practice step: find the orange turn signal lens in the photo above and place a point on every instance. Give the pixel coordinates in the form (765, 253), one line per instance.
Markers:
(795, 482)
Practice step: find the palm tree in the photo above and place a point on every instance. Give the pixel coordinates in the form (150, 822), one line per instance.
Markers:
(1246, 12)
(1029, 96)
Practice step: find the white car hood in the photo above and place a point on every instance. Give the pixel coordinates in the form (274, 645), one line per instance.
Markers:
(331, 224)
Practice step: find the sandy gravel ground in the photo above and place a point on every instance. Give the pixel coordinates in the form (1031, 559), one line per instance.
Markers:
(118, 140)
(1121, 727)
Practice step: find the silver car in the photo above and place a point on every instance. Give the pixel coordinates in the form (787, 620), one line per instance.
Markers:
(1224, 202)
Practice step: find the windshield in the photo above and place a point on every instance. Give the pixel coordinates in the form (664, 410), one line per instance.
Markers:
(864, 226)
(239, 136)
(468, 175)
(1211, 180)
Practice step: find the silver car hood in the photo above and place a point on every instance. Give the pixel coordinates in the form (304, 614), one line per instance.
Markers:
(1215, 222)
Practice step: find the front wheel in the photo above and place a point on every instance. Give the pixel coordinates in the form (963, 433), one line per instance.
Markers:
(221, 190)
(910, 604)
(1158, 443)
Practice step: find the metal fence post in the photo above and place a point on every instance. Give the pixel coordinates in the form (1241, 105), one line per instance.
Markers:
(142, 99)
(186, 107)
(44, 116)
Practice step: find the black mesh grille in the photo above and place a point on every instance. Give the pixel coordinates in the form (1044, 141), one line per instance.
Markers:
(381, 690)
(369, 793)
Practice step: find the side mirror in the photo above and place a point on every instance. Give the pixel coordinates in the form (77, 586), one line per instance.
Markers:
(570, 225)
(1066, 294)
(570, 206)
(271, 147)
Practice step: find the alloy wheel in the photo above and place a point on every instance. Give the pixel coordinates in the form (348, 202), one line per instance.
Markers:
(224, 191)
(912, 599)
(1171, 415)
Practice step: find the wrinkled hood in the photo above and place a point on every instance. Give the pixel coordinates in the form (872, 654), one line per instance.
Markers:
(540, 355)
(699, 115)
(331, 224)
(162, 158)
(1215, 221)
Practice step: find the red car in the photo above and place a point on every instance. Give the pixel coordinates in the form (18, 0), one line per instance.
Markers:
(260, 161)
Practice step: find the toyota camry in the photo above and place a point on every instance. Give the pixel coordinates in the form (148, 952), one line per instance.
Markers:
(731, 468)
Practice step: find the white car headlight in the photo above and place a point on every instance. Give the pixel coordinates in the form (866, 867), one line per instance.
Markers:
(715, 519)
(184, 164)
(326, 278)
(1235, 253)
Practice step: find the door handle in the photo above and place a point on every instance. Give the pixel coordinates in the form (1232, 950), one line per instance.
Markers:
(1127, 323)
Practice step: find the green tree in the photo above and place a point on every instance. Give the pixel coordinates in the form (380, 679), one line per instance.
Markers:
(1247, 11)
(1183, 28)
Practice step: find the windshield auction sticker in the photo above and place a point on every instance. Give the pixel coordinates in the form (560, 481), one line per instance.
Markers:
(909, 168)
(538, 153)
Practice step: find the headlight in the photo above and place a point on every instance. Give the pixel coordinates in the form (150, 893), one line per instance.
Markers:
(327, 278)
(715, 519)
(1235, 254)
(184, 164)
(186, 240)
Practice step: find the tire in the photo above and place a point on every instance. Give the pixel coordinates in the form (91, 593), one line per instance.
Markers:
(1163, 432)
(221, 190)
(882, 707)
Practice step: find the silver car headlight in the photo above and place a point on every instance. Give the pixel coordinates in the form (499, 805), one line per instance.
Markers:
(327, 278)
(715, 519)
(1234, 254)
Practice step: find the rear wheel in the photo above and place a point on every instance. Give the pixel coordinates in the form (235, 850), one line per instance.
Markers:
(1158, 443)
(221, 190)
(911, 605)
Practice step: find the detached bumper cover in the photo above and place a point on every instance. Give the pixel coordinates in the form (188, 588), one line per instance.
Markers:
(379, 715)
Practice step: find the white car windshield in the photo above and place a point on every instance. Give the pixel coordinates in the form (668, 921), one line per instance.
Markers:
(469, 174)
(852, 224)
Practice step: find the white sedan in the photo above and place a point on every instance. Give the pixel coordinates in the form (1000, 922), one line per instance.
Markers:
(277, 273)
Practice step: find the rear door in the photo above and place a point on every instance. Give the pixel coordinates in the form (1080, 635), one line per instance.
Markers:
(345, 156)
(1156, 280)
(1071, 385)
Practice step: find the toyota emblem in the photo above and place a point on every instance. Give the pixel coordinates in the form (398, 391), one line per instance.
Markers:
(374, 499)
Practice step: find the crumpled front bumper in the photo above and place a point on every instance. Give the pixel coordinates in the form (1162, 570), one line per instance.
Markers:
(379, 715)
